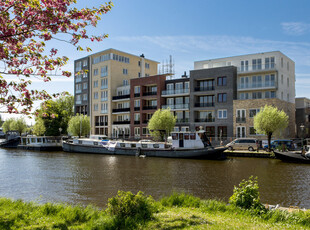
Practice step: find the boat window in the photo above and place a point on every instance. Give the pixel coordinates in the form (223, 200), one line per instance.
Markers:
(80, 142)
(122, 145)
(156, 146)
(95, 143)
(193, 136)
(24, 141)
(39, 140)
(33, 140)
(133, 145)
(186, 136)
(174, 136)
(144, 145)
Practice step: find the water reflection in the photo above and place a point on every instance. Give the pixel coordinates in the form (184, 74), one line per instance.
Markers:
(91, 178)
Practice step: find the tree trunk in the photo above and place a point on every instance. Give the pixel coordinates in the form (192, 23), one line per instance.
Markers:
(269, 141)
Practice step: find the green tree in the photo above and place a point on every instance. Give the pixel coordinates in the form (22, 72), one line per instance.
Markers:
(39, 127)
(56, 114)
(270, 120)
(79, 125)
(7, 125)
(19, 125)
(161, 124)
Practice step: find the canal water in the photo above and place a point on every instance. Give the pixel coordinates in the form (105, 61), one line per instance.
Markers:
(92, 179)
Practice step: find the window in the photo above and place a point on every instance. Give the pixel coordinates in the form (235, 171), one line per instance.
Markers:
(85, 97)
(125, 82)
(137, 117)
(137, 89)
(259, 82)
(288, 66)
(257, 64)
(206, 101)
(104, 95)
(222, 132)
(244, 65)
(252, 131)
(125, 71)
(95, 107)
(205, 85)
(78, 66)
(95, 95)
(137, 103)
(222, 97)
(145, 131)
(222, 114)
(84, 63)
(267, 94)
(78, 87)
(253, 112)
(243, 96)
(240, 131)
(137, 131)
(210, 130)
(221, 81)
(272, 94)
(282, 79)
(139, 63)
(288, 82)
(139, 74)
(95, 72)
(84, 75)
(78, 97)
(104, 71)
(282, 62)
(256, 95)
(95, 84)
(84, 85)
(269, 63)
(104, 83)
(147, 65)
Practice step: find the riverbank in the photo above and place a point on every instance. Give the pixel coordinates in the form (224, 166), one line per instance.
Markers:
(246, 153)
(141, 212)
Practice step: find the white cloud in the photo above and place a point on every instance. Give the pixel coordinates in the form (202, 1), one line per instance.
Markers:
(295, 28)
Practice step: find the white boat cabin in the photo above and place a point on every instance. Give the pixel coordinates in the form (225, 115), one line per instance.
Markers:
(190, 140)
(32, 140)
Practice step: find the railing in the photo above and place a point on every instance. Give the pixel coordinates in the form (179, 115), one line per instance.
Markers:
(212, 119)
(137, 94)
(240, 119)
(121, 97)
(104, 111)
(176, 91)
(78, 91)
(78, 79)
(137, 108)
(208, 88)
(137, 122)
(211, 104)
(149, 93)
(104, 99)
(101, 124)
(257, 67)
(145, 121)
(78, 102)
(269, 84)
(184, 120)
(176, 106)
(104, 87)
(149, 107)
(121, 122)
(121, 110)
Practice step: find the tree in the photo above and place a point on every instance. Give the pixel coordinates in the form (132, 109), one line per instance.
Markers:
(25, 28)
(270, 120)
(56, 114)
(161, 123)
(79, 125)
(7, 125)
(39, 127)
(19, 125)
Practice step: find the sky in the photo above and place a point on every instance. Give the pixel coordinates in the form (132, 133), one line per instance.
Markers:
(198, 30)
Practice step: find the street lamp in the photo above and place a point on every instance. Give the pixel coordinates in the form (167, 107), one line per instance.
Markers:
(302, 138)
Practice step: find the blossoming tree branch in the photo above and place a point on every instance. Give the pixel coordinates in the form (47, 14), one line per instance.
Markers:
(25, 28)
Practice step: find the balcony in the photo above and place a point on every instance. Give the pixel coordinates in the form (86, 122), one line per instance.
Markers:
(211, 104)
(176, 106)
(127, 96)
(183, 120)
(104, 111)
(101, 124)
(137, 108)
(121, 122)
(257, 86)
(257, 68)
(210, 119)
(208, 88)
(137, 122)
(137, 94)
(149, 107)
(175, 92)
(121, 110)
(149, 93)
(240, 119)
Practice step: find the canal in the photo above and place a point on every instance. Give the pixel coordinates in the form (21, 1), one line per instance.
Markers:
(92, 179)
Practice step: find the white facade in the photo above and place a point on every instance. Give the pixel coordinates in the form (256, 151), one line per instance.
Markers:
(261, 75)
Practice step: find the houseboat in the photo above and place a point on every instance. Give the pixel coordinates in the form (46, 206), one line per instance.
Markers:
(12, 140)
(183, 145)
(40, 143)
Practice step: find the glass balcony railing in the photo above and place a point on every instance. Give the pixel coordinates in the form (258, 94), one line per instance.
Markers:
(149, 107)
(127, 96)
(210, 119)
(183, 120)
(78, 102)
(175, 92)
(257, 67)
(104, 111)
(206, 88)
(176, 106)
(149, 93)
(121, 122)
(121, 110)
(240, 119)
(210, 104)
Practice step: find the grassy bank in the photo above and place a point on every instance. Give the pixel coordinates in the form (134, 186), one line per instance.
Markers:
(129, 211)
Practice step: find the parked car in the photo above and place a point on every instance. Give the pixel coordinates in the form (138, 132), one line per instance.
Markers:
(276, 143)
(250, 144)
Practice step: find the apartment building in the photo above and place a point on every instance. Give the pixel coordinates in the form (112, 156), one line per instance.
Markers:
(176, 97)
(211, 101)
(302, 117)
(145, 94)
(262, 78)
(108, 72)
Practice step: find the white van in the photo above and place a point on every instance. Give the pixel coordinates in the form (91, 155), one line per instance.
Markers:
(243, 144)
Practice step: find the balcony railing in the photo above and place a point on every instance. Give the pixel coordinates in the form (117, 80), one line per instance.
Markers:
(104, 87)
(149, 107)
(137, 122)
(121, 110)
(211, 104)
(261, 85)
(137, 108)
(101, 124)
(176, 106)
(121, 122)
(137, 94)
(176, 91)
(78, 91)
(127, 96)
(149, 93)
(207, 88)
(104, 111)
(257, 67)
(240, 119)
(145, 121)
(184, 120)
(212, 119)
(78, 102)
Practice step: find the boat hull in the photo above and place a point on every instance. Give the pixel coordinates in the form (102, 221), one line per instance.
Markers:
(290, 156)
(40, 147)
(12, 143)
(206, 153)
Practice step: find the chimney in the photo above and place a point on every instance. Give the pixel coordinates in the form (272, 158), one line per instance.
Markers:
(184, 75)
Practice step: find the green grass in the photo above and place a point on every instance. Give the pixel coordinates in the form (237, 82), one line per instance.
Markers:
(178, 211)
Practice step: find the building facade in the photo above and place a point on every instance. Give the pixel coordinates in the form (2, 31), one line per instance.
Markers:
(109, 70)
(211, 101)
(262, 78)
(302, 117)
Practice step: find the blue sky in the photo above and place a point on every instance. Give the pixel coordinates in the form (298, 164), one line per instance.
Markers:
(198, 30)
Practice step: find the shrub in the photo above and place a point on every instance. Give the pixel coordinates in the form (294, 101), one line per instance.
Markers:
(181, 200)
(127, 205)
(246, 196)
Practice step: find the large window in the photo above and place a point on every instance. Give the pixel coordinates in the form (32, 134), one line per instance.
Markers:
(257, 64)
(222, 113)
(210, 130)
(222, 132)
(104, 71)
(125, 71)
(253, 112)
(95, 72)
(222, 97)
(206, 85)
(244, 65)
(95, 95)
(206, 101)
(269, 63)
(221, 81)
